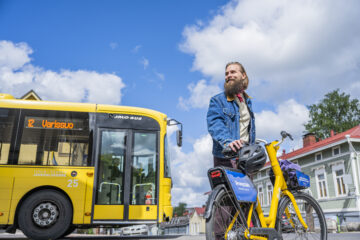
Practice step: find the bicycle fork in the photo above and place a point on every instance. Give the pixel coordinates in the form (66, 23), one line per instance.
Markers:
(297, 210)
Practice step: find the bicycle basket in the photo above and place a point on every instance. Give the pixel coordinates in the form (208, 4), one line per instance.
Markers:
(295, 179)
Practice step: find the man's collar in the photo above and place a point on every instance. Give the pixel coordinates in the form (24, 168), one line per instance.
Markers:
(230, 99)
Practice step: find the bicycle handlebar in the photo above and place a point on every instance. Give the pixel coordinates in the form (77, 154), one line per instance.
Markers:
(229, 153)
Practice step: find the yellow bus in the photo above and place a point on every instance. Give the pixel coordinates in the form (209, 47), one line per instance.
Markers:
(77, 165)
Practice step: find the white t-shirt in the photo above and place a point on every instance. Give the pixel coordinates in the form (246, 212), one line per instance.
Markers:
(244, 119)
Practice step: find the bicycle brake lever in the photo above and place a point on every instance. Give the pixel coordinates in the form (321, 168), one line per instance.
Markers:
(290, 137)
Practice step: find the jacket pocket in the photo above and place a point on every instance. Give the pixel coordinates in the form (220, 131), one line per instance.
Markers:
(228, 113)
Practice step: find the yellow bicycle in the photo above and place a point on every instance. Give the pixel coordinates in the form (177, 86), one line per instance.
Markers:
(233, 210)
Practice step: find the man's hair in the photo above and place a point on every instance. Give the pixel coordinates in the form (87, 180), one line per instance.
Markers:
(242, 70)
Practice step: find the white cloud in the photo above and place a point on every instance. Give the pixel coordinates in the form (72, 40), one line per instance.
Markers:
(171, 129)
(136, 48)
(288, 116)
(200, 94)
(144, 62)
(14, 56)
(113, 45)
(161, 76)
(354, 90)
(302, 48)
(189, 196)
(189, 172)
(18, 75)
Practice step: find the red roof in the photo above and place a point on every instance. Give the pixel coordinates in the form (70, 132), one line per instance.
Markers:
(200, 211)
(353, 133)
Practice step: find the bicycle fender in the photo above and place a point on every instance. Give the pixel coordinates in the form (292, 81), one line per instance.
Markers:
(211, 199)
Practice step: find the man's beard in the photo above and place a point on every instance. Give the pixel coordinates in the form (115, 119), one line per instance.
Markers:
(234, 87)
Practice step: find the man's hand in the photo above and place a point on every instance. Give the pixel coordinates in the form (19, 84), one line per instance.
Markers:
(236, 145)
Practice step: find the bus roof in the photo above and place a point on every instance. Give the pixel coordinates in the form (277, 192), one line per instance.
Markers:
(8, 101)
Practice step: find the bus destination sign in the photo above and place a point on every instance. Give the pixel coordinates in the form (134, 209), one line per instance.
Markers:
(53, 123)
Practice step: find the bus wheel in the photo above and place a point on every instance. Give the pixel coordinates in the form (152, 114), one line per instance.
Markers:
(46, 214)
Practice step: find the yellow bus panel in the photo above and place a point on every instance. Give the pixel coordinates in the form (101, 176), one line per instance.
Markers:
(142, 212)
(88, 196)
(108, 212)
(28, 178)
(5, 198)
(49, 105)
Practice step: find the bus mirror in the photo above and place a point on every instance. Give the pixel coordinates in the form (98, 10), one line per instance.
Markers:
(172, 122)
(179, 138)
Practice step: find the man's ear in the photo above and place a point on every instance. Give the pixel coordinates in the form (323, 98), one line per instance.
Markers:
(243, 75)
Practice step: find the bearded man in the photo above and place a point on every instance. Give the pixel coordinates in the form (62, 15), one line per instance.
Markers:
(230, 118)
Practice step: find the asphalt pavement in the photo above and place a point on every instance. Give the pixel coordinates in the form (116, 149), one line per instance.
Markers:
(331, 236)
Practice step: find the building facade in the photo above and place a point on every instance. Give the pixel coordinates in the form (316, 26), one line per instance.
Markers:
(333, 165)
(197, 221)
(192, 223)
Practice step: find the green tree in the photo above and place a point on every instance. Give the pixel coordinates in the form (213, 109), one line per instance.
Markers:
(179, 210)
(335, 112)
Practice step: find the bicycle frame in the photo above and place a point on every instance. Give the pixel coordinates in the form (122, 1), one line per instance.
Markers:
(280, 189)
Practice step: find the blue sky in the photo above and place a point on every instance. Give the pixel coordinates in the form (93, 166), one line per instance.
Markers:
(170, 56)
(113, 37)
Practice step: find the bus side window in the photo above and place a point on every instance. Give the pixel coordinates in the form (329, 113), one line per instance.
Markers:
(54, 138)
(7, 119)
(167, 167)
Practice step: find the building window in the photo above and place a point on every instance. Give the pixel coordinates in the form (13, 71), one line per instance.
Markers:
(269, 189)
(338, 175)
(318, 156)
(321, 183)
(336, 151)
(261, 194)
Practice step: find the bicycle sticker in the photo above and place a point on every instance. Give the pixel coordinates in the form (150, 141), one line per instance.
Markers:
(303, 179)
(242, 186)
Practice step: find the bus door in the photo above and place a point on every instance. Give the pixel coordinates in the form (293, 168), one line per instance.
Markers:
(143, 176)
(127, 179)
(112, 153)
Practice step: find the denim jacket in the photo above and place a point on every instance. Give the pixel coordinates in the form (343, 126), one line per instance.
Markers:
(223, 122)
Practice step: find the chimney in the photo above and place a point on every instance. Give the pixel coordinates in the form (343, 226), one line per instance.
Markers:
(284, 152)
(332, 133)
(309, 139)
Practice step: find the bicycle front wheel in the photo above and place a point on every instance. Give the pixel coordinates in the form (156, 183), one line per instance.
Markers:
(289, 224)
(225, 218)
